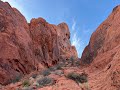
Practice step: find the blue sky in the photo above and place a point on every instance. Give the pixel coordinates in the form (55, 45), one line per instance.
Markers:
(82, 16)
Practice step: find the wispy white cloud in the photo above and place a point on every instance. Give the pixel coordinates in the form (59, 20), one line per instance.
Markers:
(74, 24)
(75, 39)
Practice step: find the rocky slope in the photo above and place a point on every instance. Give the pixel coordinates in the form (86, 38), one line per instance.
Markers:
(26, 47)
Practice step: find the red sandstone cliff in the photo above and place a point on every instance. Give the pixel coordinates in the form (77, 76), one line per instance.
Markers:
(103, 54)
(28, 47)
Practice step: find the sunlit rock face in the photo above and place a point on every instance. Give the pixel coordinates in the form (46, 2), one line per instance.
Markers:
(105, 38)
(26, 47)
(102, 55)
(51, 42)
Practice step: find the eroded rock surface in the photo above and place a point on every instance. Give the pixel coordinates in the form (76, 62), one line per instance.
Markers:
(103, 54)
(51, 42)
(28, 47)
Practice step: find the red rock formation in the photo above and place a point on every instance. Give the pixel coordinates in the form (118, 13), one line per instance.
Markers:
(15, 53)
(103, 54)
(51, 42)
(105, 38)
(26, 47)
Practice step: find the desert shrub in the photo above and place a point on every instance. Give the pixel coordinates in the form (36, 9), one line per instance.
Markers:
(26, 83)
(16, 79)
(78, 78)
(72, 60)
(77, 63)
(34, 76)
(52, 68)
(26, 88)
(45, 81)
(45, 72)
(59, 72)
(58, 66)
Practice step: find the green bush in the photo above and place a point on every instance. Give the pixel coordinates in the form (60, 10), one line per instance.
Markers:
(45, 81)
(58, 67)
(78, 78)
(45, 72)
(26, 83)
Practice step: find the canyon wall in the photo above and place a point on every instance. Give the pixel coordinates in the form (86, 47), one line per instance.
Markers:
(102, 55)
(26, 47)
